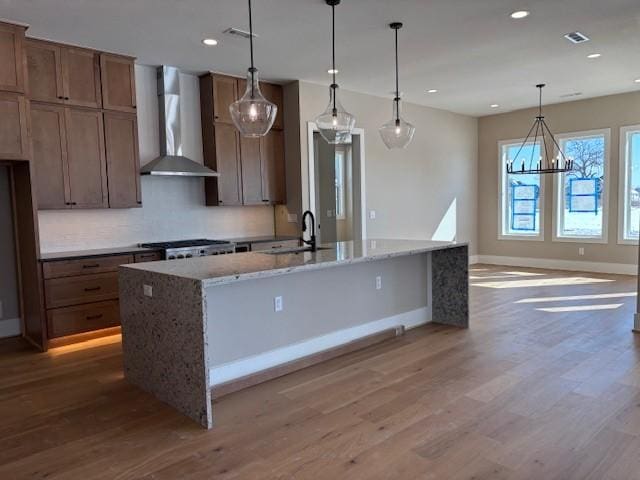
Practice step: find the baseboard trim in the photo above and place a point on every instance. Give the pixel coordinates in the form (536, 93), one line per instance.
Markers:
(259, 368)
(553, 264)
(473, 259)
(10, 327)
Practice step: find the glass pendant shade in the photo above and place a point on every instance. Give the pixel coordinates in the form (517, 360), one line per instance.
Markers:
(335, 124)
(253, 115)
(397, 133)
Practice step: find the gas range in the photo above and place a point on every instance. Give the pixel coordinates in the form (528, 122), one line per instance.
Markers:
(192, 248)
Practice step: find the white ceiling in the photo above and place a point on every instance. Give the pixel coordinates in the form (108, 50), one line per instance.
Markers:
(470, 50)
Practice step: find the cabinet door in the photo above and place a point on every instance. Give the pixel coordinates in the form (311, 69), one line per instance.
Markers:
(273, 167)
(81, 76)
(14, 142)
(86, 158)
(251, 174)
(273, 93)
(123, 165)
(44, 65)
(228, 164)
(11, 58)
(118, 83)
(48, 139)
(225, 92)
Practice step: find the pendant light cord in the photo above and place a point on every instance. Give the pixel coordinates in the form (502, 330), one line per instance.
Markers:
(397, 99)
(333, 56)
(253, 70)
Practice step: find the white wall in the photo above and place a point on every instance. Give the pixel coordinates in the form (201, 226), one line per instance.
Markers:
(173, 208)
(427, 191)
(9, 323)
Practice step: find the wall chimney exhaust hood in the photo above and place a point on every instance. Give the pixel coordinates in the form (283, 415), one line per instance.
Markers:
(171, 161)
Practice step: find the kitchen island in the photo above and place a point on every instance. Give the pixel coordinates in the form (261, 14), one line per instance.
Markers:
(191, 325)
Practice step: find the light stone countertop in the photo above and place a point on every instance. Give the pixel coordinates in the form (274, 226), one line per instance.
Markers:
(223, 269)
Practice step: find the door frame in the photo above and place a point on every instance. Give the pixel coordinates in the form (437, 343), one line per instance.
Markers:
(359, 133)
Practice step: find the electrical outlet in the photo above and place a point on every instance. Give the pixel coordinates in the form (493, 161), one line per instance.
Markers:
(374, 244)
(147, 290)
(581, 251)
(372, 214)
(292, 217)
(378, 283)
(277, 303)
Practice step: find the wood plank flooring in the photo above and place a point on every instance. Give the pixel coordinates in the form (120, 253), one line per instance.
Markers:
(545, 385)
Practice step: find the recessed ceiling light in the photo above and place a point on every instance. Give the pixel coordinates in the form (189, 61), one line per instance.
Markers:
(331, 71)
(494, 105)
(433, 90)
(210, 42)
(520, 14)
(637, 80)
(594, 55)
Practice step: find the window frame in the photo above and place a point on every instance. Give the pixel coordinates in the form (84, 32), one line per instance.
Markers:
(503, 198)
(624, 179)
(558, 205)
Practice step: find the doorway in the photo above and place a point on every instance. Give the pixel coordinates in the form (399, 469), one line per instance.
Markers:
(336, 187)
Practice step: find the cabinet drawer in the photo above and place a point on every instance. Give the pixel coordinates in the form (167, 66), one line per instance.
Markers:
(67, 291)
(256, 247)
(82, 318)
(148, 257)
(85, 266)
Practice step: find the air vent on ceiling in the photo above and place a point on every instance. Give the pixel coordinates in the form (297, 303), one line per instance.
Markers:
(236, 32)
(576, 37)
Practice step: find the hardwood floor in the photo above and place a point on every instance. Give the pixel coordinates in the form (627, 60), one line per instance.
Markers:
(545, 385)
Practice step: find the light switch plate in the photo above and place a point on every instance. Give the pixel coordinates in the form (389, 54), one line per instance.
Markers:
(147, 290)
(277, 303)
(372, 214)
(581, 251)
(378, 283)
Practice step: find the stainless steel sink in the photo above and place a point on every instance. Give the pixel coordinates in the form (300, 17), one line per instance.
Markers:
(296, 250)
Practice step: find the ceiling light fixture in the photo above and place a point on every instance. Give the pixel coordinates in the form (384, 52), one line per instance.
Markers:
(637, 80)
(433, 90)
(253, 115)
(546, 164)
(210, 42)
(520, 14)
(594, 55)
(333, 71)
(494, 105)
(396, 133)
(335, 123)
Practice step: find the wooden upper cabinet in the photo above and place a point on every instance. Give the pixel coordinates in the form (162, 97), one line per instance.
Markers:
(123, 164)
(63, 74)
(118, 83)
(14, 136)
(274, 188)
(12, 63)
(251, 171)
(48, 137)
(86, 158)
(44, 64)
(227, 155)
(273, 93)
(225, 92)
(81, 77)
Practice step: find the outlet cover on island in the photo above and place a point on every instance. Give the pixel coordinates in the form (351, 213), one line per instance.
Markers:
(147, 290)
(372, 214)
(277, 303)
(581, 251)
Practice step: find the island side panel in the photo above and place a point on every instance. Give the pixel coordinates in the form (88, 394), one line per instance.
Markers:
(163, 340)
(450, 286)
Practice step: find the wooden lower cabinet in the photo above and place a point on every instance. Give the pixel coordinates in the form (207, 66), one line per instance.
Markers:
(82, 318)
(14, 139)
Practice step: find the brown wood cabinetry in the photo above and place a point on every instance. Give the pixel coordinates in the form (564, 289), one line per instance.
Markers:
(12, 62)
(123, 165)
(118, 83)
(251, 169)
(63, 74)
(14, 139)
(83, 318)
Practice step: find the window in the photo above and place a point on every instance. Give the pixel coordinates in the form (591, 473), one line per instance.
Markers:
(340, 185)
(520, 216)
(629, 202)
(581, 195)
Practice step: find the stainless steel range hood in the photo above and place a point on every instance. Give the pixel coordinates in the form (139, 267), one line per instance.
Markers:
(171, 162)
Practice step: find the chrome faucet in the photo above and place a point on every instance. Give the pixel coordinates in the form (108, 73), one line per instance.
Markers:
(312, 240)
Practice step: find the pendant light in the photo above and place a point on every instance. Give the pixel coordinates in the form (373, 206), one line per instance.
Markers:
(253, 115)
(396, 133)
(546, 162)
(335, 123)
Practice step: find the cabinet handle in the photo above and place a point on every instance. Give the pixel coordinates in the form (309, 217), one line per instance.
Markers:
(92, 289)
(216, 117)
(94, 265)
(60, 98)
(73, 203)
(94, 317)
(66, 98)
